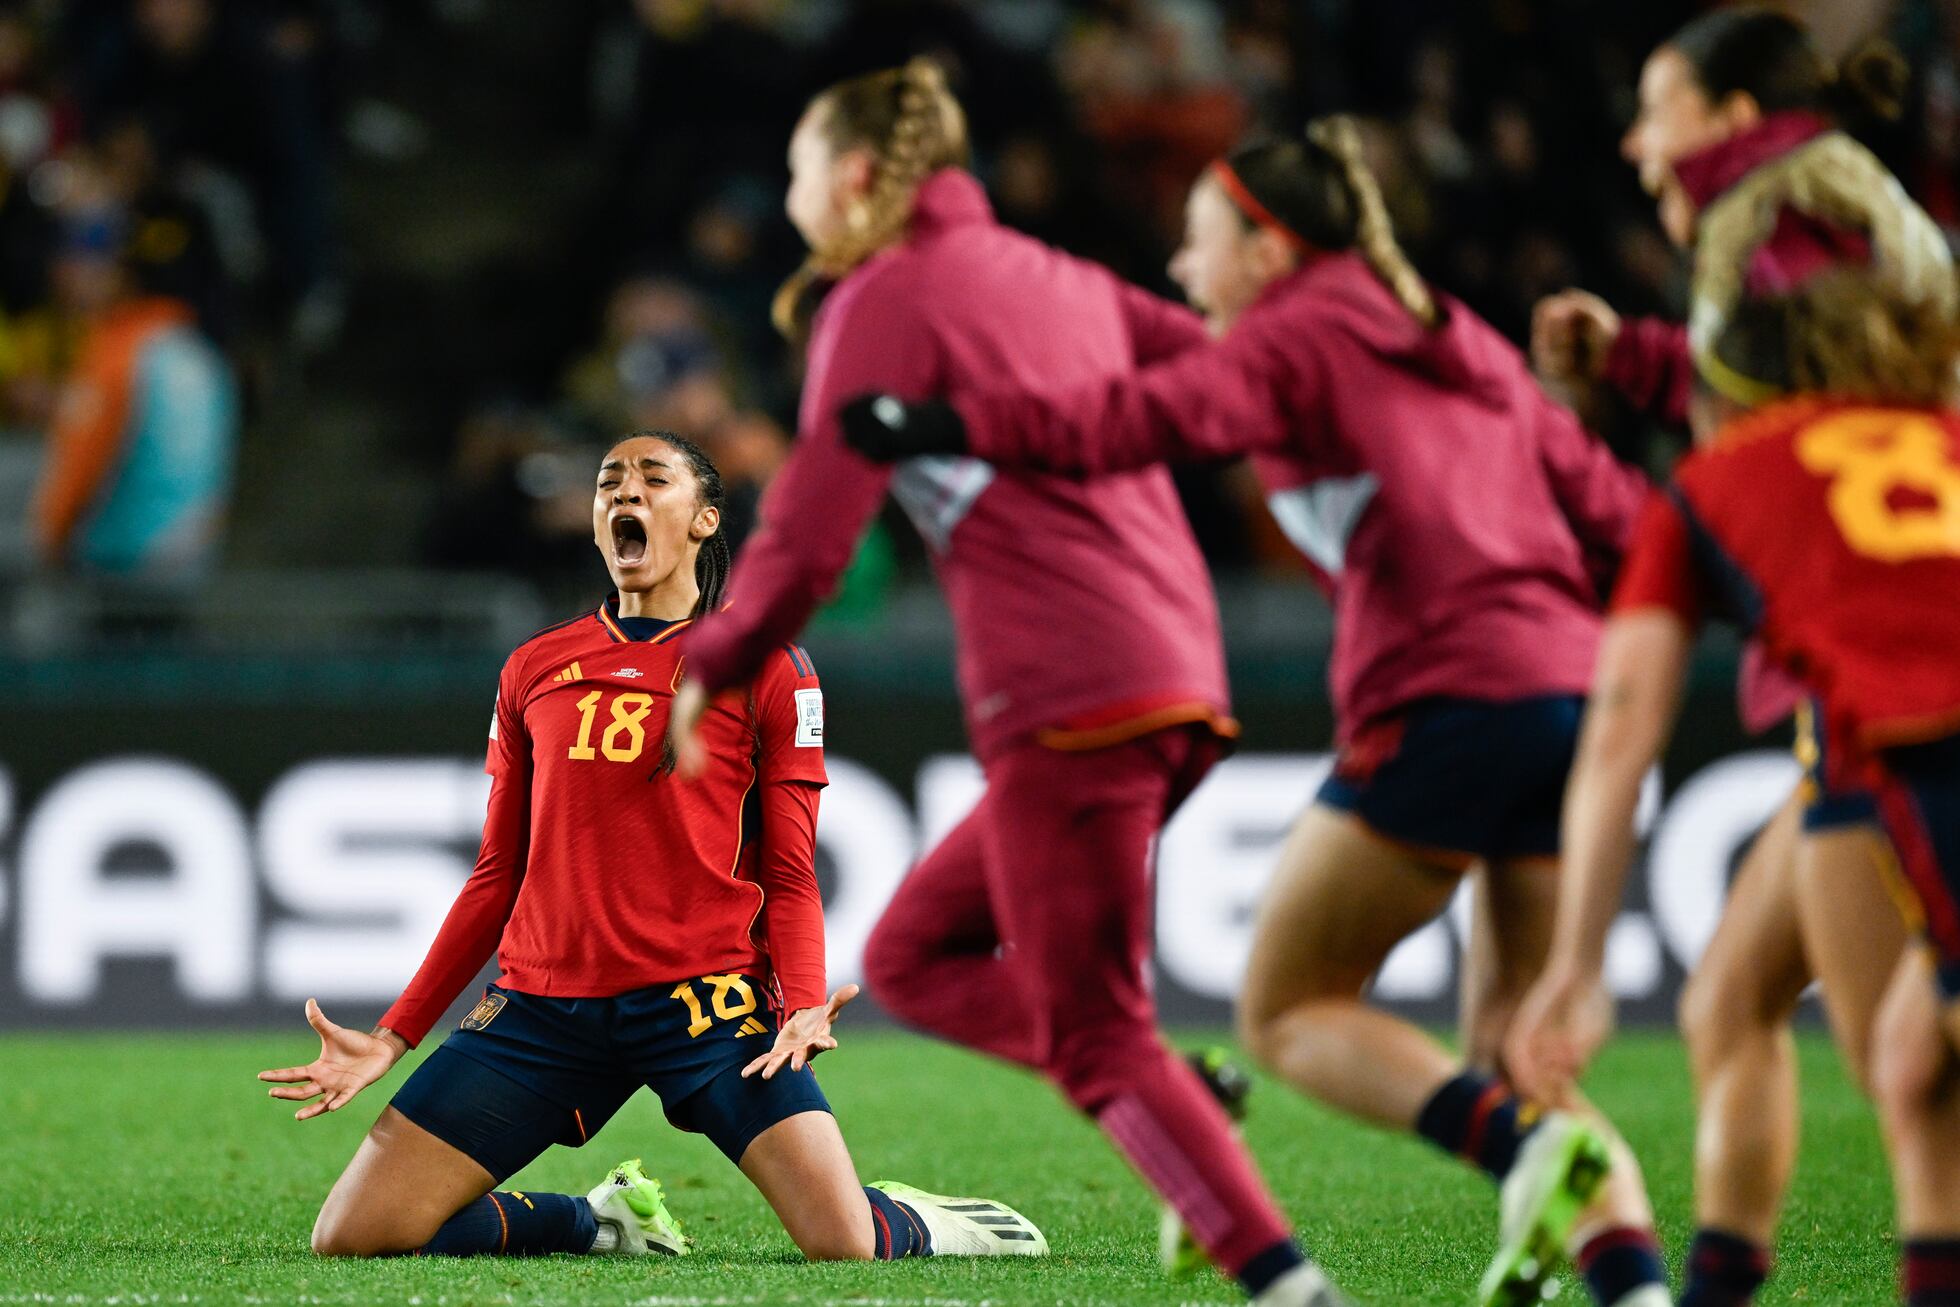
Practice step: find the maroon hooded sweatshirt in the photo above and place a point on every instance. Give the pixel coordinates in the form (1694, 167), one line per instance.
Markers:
(1652, 366)
(1083, 611)
(1459, 519)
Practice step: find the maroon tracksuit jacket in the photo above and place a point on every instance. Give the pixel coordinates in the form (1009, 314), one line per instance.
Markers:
(1083, 611)
(1456, 515)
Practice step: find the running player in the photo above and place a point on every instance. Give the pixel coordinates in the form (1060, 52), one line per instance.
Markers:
(1088, 650)
(1466, 619)
(1828, 521)
(651, 932)
(1735, 102)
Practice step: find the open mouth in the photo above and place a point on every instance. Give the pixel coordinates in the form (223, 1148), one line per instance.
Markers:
(629, 540)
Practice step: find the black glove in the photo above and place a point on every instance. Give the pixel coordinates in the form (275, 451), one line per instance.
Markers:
(886, 429)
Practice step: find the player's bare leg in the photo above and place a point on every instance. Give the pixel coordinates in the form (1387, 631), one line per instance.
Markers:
(1340, 901)
(803, 1170)
(1802, 903)
(1849, 902)
(1735, 1016)
(1917, 1080)
(407, 1191)
(400, 1187)
(1513, 906)
(1511, 914)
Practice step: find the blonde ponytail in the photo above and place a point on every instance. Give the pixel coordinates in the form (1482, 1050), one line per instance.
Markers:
(908, 119)
(1374, 234)
(1835, 181)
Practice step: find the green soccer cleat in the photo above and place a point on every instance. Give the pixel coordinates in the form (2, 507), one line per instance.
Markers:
(629, 1204)
(969, 1227)
(1559, 1168)
(1228, 1081)
(1231, 1086)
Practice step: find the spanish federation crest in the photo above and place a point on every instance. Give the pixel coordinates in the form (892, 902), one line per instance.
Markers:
(485, 1012)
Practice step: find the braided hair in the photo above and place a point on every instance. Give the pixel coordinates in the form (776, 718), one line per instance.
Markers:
(711, 564)
(1832, 180)
(1321, 187)
(909, 121)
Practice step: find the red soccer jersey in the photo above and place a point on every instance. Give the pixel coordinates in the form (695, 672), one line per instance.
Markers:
(600, 872)
(1832, 529)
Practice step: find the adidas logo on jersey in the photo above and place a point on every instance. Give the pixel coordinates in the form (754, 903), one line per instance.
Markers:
(751, 1027)
(571, 673)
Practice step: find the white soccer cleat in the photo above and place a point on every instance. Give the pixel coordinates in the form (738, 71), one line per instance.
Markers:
(1559, 1167)
(630, 1208)
(1647, 1295)
(1303, 1286)
(969, 1227)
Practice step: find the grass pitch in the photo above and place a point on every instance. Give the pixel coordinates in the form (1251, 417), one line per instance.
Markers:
(152, 1170)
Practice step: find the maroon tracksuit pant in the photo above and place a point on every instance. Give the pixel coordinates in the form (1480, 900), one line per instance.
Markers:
(1026, 934)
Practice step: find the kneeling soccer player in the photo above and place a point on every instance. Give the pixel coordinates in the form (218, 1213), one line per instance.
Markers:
(652, 931)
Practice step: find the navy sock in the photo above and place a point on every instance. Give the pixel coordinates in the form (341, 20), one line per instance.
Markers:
(896, 1230)
(1478, 1118)
(1932, 1273)
(1724, 1270)
(1265, 1267)
(517, 1225)
(1619, 1261)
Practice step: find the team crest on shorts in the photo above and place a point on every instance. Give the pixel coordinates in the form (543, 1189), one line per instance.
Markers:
(485, 1012)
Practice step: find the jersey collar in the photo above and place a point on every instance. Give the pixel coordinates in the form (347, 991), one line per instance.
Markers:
(633, 630)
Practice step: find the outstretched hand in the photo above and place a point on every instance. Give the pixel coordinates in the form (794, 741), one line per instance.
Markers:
(1563, 1020)
(803, 1036)
(886, 429)
(349, 1062)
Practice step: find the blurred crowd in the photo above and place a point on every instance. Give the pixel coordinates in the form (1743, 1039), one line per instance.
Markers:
(191, 152)
(164, 198)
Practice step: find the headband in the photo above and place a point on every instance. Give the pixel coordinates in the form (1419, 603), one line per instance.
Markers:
(1256, 213)
(1734, 386)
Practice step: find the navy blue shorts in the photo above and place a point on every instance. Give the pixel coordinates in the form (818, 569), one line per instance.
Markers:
(1920, 802)
(1460, 780)
(1828, 804)
(524, 1072)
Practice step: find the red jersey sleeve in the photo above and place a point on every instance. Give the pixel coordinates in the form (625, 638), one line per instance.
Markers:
(868, 336)
(476, 921)
(510, 740)
(1660, 569)
(789, 719)
(789, 728)
(1236, 396)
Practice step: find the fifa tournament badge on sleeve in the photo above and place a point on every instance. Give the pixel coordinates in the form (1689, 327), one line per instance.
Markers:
(809, 718)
